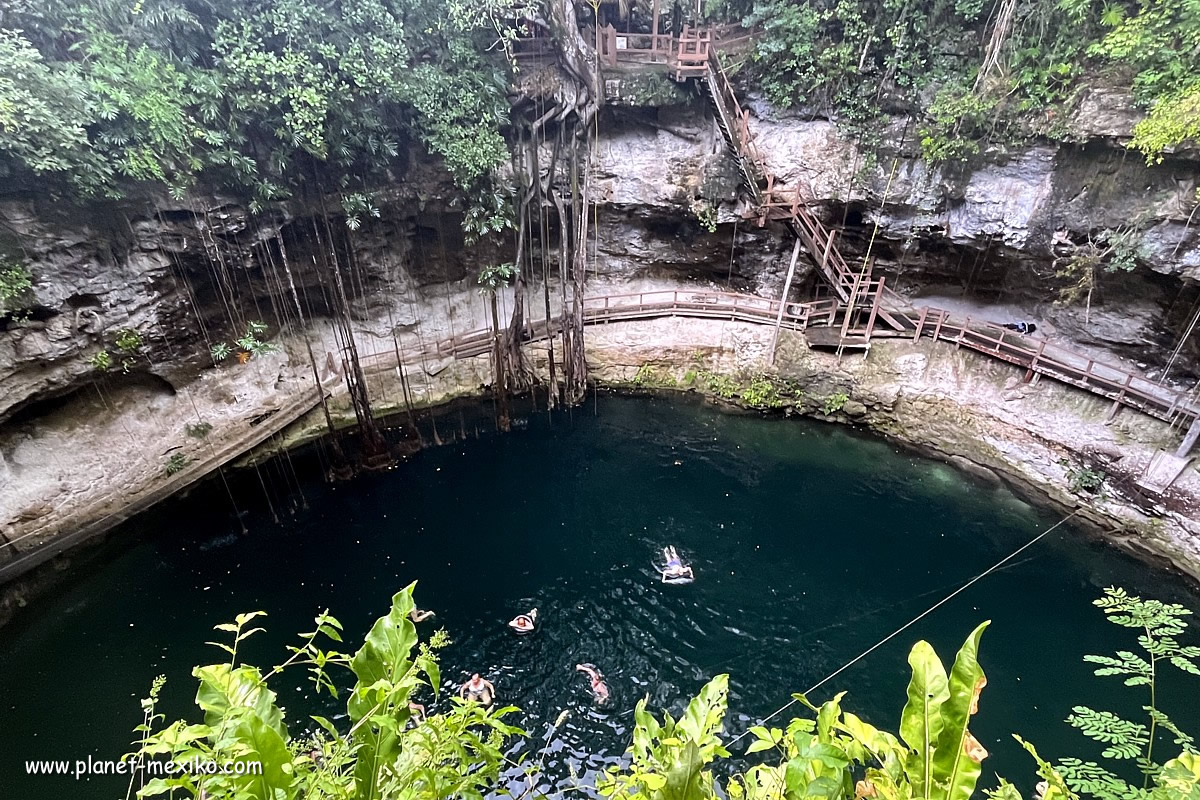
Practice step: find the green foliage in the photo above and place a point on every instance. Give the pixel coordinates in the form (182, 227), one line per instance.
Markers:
(382, 750)
(1108, 251)
(265, 97)
(198, 430)
(175, 463)
(1084, 480)
(650, 376)
(860, 58)
(489, 211)
(834, 403)
(706, 214)
(935, 756)
(252, 341)
(15, 285)
(848, 53)
(723, 386)
(1125, 739)
(1159, 38)
(128, 341)
(493, 277)
(249, 344)
(762, 392)
(43, 113)
(669, 761)
(958, 118)
(1173, 119)
(101, 361)
(1159, 627)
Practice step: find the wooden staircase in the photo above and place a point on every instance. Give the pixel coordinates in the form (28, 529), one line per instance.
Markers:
(793, 208)
(862, 306)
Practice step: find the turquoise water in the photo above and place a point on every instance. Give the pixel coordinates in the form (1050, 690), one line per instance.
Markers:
(810, 543)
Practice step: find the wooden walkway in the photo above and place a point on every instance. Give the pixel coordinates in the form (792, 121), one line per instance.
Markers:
(1037, 356)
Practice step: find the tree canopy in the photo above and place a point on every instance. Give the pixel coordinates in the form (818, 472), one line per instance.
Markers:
(262, 96)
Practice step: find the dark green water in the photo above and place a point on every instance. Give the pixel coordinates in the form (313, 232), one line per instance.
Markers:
(810, 544)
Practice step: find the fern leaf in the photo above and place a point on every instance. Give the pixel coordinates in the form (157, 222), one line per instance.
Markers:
(1087, 777)
(1185, 664)
(1125, 739)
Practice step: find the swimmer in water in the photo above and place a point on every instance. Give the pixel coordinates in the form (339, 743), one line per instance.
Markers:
(525, 623)
(675, 571)
(477, 690)
(420, 615)
(599, 687)
(416, 715)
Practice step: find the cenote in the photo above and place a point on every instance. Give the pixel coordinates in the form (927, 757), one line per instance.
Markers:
(810, 543)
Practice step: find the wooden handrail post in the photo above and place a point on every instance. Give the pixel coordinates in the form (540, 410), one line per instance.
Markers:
(937, 329)
(874, 308)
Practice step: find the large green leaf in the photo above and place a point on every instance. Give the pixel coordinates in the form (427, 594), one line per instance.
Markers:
(224, 689)
(921, 721)
(1179, 779)
(383, 666)
(385, 655)
(264, 745)
(955, 772)
(245, 724)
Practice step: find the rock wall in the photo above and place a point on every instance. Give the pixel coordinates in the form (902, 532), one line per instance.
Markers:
(186, 275)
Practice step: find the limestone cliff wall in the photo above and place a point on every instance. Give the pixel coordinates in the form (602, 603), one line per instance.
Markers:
(187, 274)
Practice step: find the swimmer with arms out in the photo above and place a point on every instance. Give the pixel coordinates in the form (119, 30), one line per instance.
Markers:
(675, 571)
(525, 623)
(599, 687)
(420, 615)
(477, 690)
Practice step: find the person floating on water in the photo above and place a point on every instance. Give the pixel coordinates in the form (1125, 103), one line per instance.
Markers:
(675, 571)
(599, 687)
(420, 615)
(477, 690)
(524, 623)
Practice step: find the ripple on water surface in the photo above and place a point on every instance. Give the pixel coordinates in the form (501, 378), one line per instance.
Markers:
(810, 543)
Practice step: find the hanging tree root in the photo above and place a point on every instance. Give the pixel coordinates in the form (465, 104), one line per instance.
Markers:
(572, 107)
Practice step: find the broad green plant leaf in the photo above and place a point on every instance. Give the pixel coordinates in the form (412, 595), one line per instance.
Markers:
(921, 721)
(955, 769)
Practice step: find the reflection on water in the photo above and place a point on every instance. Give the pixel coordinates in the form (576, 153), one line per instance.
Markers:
(809, 543)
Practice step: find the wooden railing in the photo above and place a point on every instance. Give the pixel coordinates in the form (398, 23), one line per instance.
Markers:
(694, 55)
(1041, 357)
(686, 54)
(1036, 356)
